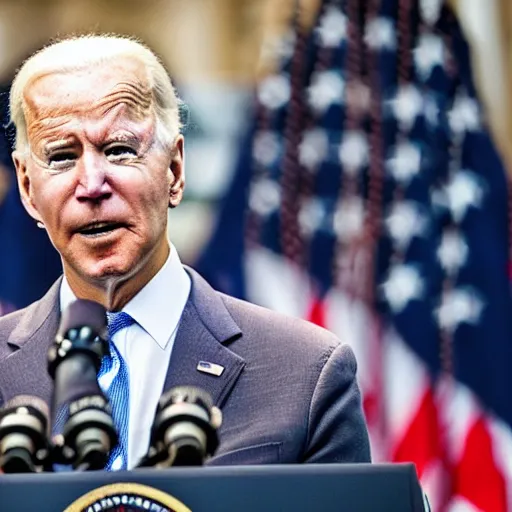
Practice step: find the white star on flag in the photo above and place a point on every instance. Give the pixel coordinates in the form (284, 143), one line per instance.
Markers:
(380, 34)
(403, 285)
(274, 91)
(332, 29)
(404, 223)
(349, 218)
(407, 105)
(265, 196)
(405, 162)
(311, 215)
(313, 148)
(326, 88)
(463, 191)
(458, 306)
(353, 152)
(453, 251)
(266, 147)
(428, 54)
(464, 115)
(430, 10)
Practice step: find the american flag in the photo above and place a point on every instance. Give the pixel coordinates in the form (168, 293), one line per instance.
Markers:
(377, 206)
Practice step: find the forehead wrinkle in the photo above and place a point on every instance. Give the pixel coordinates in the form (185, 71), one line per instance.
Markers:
(49, 121)
(115, 125)
(47, 130)
(44, 122)
(75, 97)
(136, 96)
(95, 126)
(38, 114)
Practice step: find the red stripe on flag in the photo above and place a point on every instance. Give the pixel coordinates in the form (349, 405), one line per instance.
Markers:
(421, 442)
(316, 313)
(477, 477)
(371, 407)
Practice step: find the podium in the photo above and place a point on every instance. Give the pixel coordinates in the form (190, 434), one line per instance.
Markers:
(297, 488)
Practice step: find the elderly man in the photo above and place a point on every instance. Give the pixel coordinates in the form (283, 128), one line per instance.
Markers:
(99, 159)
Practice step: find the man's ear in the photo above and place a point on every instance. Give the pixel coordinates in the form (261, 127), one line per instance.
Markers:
(177, 172)
(24, 184)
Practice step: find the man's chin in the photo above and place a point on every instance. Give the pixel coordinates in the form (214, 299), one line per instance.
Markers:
(111, 271)
(107, 272)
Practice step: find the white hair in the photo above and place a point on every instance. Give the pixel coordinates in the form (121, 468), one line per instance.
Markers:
(79, 52)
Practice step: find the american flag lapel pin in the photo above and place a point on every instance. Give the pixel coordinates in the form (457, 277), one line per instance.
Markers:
(211, 368)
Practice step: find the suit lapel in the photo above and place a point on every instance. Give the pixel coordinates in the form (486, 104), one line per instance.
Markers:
(205, 328)
(25, 370)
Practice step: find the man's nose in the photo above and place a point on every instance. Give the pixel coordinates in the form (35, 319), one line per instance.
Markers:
(92, 178)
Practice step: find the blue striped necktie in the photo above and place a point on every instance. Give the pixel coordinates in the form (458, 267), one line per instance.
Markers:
(114, 381)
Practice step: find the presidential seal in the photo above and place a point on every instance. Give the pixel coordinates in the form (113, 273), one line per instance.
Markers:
(127, 497)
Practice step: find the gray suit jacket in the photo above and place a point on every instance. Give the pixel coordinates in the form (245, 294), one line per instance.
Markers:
(288, 392)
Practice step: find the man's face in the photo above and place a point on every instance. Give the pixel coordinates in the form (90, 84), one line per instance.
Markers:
(95, 173)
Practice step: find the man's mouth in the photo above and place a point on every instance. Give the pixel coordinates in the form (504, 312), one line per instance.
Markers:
(97, 229)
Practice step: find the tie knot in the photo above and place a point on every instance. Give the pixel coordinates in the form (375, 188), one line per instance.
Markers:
(118, 321)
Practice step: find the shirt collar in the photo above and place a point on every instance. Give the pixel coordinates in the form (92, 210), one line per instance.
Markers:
(157, 308)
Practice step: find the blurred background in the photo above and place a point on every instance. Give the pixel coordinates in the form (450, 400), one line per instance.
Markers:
(347, 162)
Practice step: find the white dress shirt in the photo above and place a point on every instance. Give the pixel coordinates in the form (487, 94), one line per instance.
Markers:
(146, 346)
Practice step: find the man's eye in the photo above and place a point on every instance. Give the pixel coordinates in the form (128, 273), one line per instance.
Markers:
(117, 152)
(60, 160)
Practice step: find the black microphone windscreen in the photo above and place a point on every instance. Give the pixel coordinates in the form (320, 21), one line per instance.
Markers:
(30, 401)
(82, 313)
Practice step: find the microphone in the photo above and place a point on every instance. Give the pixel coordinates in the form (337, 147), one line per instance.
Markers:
(184, 431)
(74, 360)
(24, 433)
